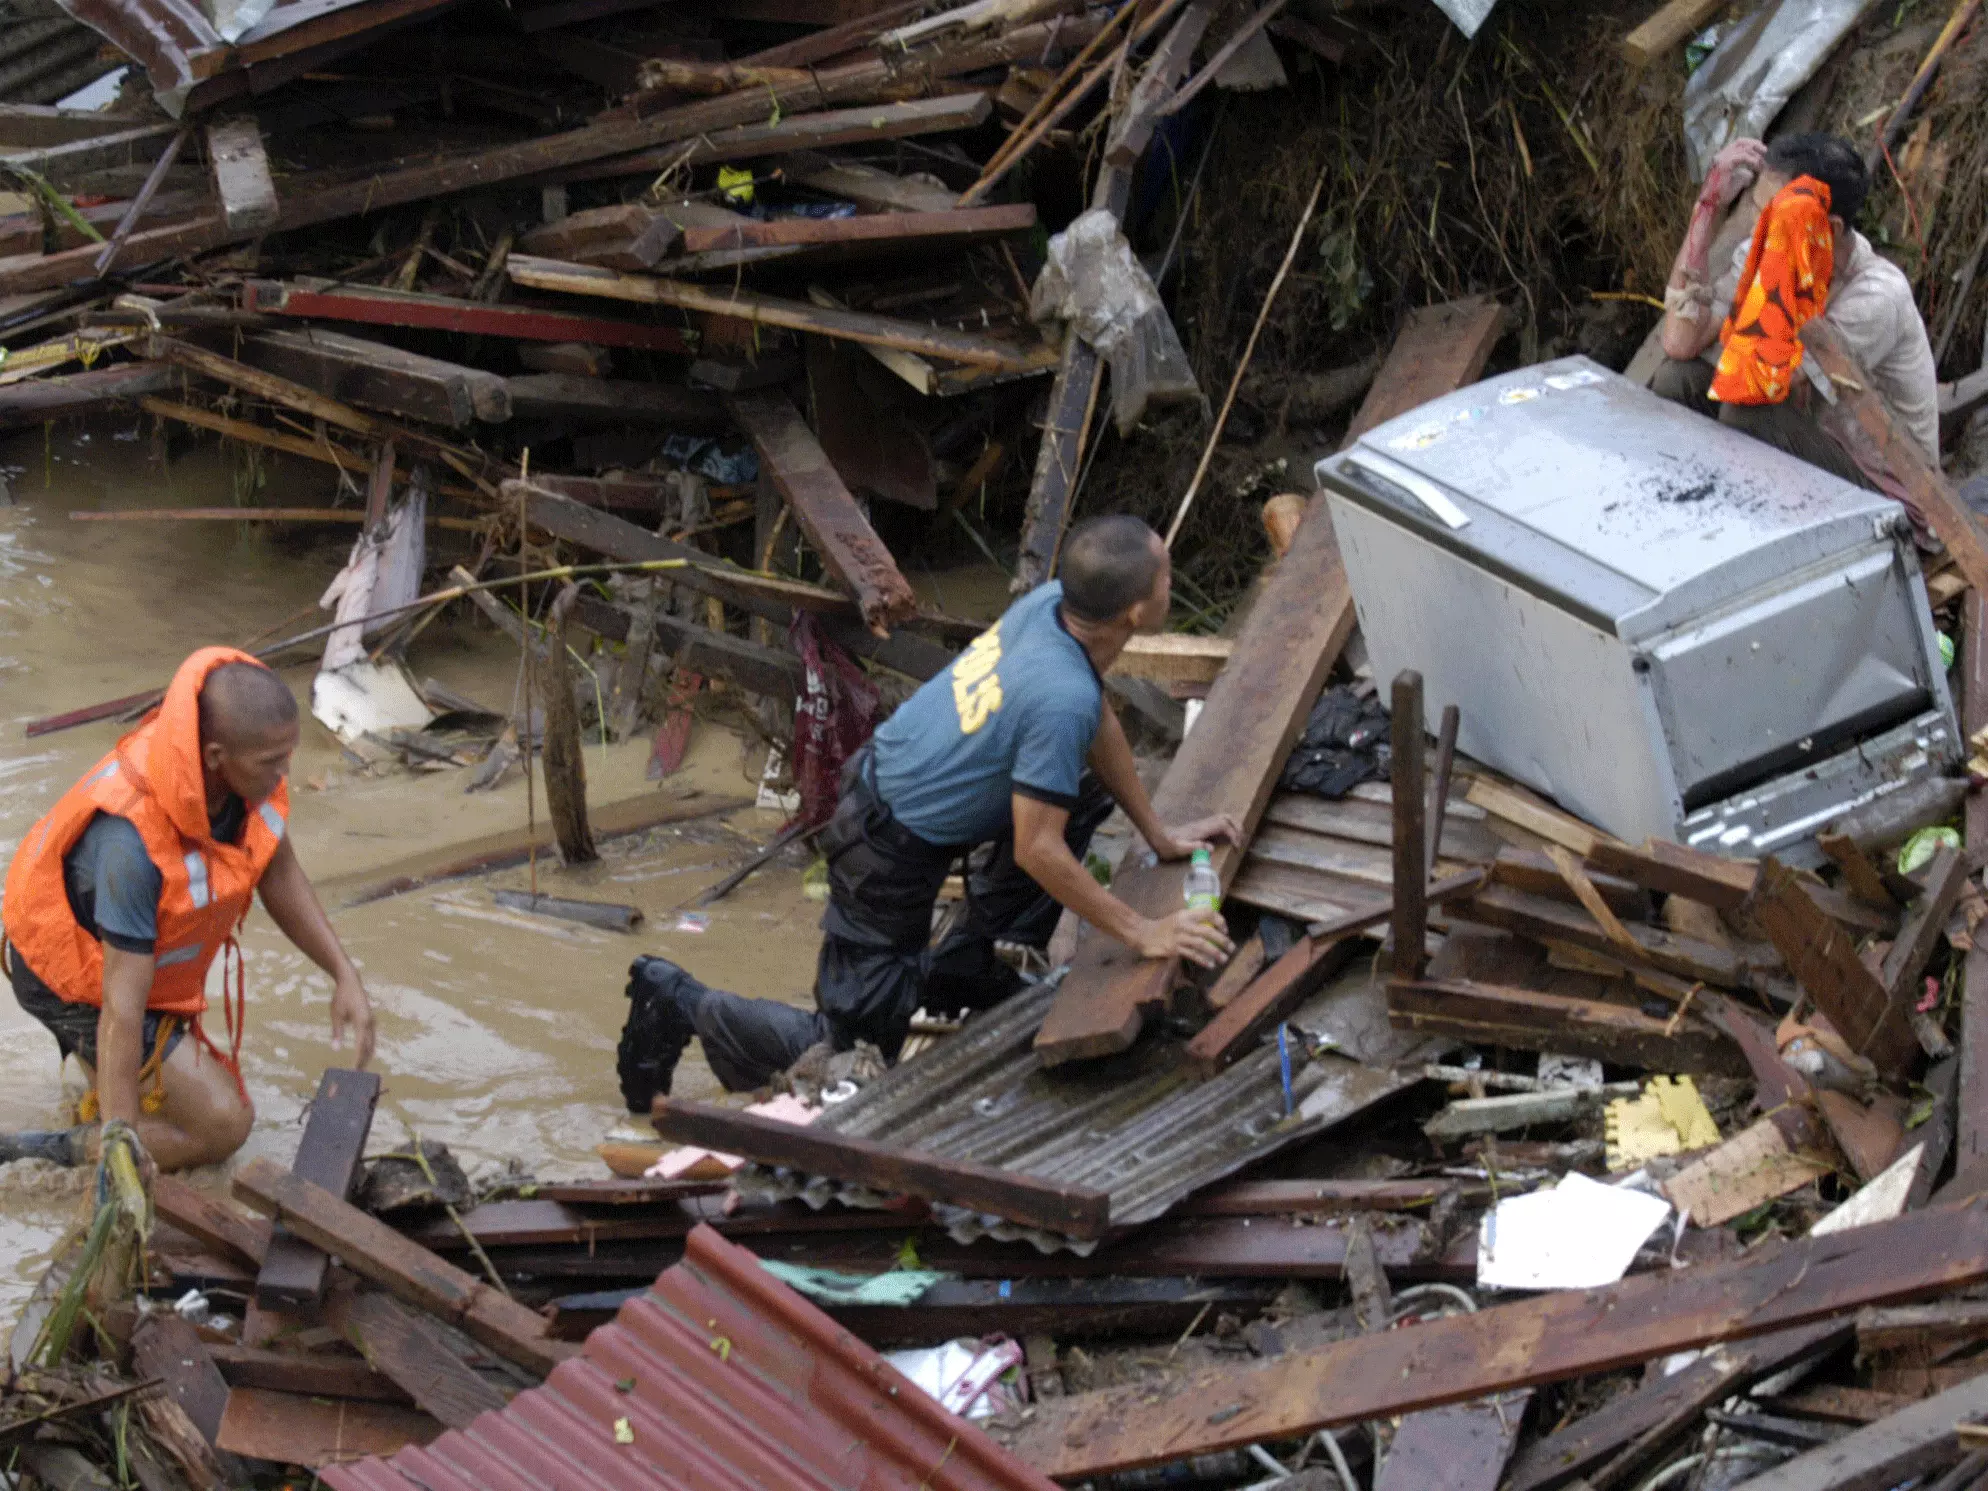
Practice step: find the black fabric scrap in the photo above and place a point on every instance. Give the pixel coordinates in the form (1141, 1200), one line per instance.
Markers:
(1345, 743)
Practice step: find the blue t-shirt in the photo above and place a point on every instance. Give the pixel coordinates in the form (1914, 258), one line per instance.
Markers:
(113, 885)
(1015, 713)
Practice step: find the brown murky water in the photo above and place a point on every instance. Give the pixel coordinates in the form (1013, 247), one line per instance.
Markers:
(496, 1029)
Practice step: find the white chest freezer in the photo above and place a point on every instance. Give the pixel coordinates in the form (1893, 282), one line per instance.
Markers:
(1662, 623)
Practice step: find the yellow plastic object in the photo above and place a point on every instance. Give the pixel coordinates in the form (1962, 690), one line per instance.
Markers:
(1668, 1118)
(735, 182)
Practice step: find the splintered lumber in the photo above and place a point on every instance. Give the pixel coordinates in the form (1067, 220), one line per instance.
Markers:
(213, 1224)
(1174, 657)
(341, 1116)
(376, 376)
(241, 174)
(404, 1269)
(1133, 125)
(1228, 763)
(1755, 1165)
(1546, 920)
(1822, 956)
(316, 1376)
(1924, 925)
(1522, 809)
(1460, 1447)
(1860, 421)
(867, 186)
(292, 1429)
(1546, 1339)
(936, 229)
(770, 310)
(1071, 1210)
(1910, 1443)
(38, 400)
(404, 1345)
(1723, 884)
(562, 759)
(1271, 996)
(1499, 1015)
(624, 491)
(164, 1346)
(1627, 1432)
(610, 400)
(824, 509)
(624, 236)
(1971, 1103)
(311, 202)
(1668, 28)
(327, 300)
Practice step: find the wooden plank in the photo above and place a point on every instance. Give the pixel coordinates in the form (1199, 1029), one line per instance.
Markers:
(1065, 431)
(1228, 763)
(1411, 873)
(824, 508)
(1627, 1432)
(1677, 871)
(241, 175)
(1822, 956)
(1439, 350)
(1270, 997)
(1546, 920)
(404, 1345)
(1460, 1447)
(924, 228)
(1754, 1166)
(1860, 877)
(1546, 1339)
(329, 301)
(373, 375)
(1271, 1198)
(316, 1375)
(1860, 422)
(1909, 1443)
(1668, 29)
(39, 400)
(866, 186)
(1519, 807)
(1534, 873)
(1499, 1015)
(341, 1116)
(1133, 124)
(1970, 1148)
(617, 236)
(611, 401)
(769, 310)
(166, 1347)
(1924, 927)
(406, 1270)
(1071, 1210)
(1174, 657)
(291, 1429)
(212, 1223)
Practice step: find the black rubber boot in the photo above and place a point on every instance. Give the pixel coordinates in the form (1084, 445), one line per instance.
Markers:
(66, 1147)
(663, 1002)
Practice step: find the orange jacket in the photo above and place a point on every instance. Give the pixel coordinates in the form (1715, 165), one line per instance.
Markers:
(153, 778)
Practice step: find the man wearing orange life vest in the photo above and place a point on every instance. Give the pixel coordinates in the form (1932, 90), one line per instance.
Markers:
(118, 902)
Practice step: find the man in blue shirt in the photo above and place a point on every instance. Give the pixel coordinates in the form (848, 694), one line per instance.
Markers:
(989, 756)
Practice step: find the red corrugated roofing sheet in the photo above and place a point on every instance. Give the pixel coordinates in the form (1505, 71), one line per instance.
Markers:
(734, 1383)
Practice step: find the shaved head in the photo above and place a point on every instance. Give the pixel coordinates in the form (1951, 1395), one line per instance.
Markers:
(243, 703)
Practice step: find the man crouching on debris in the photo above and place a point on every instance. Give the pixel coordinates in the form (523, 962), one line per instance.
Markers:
(990, 752)
(120, 899)
(1803, 259)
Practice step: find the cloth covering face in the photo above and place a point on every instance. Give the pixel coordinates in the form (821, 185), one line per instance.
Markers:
(1784, 286)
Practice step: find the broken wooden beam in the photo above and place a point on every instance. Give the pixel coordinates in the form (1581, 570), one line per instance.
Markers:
(1544, 919)
(623, 236)
(330, 301)
(1970, 1146)
(1133, 123)
(216, 1226)
(1924, 927)
(1822, 956)
(1410, 835)
(1550, 1338)
(611, 401)
(1528, 1020)
(1663, 32)
(405, 1269)
(1174, 657)
(341, 1116)
(938, 230)
(1228, 763)
(165, 1347)
(291, 1429)
(403, 1345)
(1723, 884)
(241, 175)
(1269, 998)
(1071, 1210)
(771, 310)
(825, 510)
(39, 400)
(373, 375)
(1460, 1446)
(1890, 1452)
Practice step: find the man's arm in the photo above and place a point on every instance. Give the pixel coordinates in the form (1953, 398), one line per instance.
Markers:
(1111, 758)
(293, 905)
(1045, 857)
(1691, 321)
(121, 1032)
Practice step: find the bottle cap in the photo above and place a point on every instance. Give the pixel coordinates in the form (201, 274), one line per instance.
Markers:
(1200, 857)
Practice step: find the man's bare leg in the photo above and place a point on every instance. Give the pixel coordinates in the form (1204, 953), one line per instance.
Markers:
(204, 1118)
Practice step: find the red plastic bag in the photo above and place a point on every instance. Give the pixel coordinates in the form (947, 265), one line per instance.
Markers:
(833, 717)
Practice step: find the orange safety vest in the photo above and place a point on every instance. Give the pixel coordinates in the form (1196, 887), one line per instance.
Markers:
(153, 779)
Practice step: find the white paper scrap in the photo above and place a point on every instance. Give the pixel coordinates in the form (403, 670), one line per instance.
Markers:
(1579, 1235)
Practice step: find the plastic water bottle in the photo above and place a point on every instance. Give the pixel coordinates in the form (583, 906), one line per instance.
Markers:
(1203, 889)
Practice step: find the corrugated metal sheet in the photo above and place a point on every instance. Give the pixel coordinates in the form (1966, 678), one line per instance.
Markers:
(734, 1381)
(1140, 1126)
(44, 56)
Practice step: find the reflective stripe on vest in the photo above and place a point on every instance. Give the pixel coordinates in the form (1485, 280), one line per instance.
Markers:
(179, 955)
(196, 879)
(272, 818)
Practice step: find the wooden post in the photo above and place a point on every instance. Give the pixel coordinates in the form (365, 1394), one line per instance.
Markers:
(1411, 869)
(293, 1271)
(563, 759)
(241, 175)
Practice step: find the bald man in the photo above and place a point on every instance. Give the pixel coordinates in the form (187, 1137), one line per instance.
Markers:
(120, 900)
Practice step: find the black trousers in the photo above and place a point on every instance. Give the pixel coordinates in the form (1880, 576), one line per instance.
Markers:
(877, 966)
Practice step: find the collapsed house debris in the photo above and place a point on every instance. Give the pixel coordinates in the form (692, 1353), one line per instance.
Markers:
(1598, 1094)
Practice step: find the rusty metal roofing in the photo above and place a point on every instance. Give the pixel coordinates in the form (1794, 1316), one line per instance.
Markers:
(192, 62)
(734, 1383)
(44, 56)
(1140, 1126)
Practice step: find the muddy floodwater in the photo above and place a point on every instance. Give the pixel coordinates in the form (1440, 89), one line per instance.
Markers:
(496, 1029)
